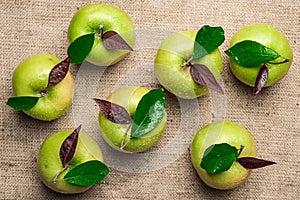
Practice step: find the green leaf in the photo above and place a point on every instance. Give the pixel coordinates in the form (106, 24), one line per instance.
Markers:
(80, 48)
(251, 54)
(87, 174)
(149, 113)
(22, 102)
(207, 40)
(219, 158)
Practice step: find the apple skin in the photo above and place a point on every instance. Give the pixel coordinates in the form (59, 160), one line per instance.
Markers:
(112, 133)
(173, 52)
(49, 163)
(223, 132)
(30, 78)
(269, 37)
(88, 20)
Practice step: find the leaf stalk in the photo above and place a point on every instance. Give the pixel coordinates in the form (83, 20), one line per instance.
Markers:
(281, 62)
(123, 144)
(55, 179)
(101, 27)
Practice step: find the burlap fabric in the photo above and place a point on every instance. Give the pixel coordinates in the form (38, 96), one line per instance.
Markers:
(40, 26)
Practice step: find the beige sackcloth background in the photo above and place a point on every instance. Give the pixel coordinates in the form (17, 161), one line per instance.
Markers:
(40, 26)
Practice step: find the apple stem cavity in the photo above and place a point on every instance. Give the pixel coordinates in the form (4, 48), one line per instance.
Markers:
(187, 63)
(55, 179)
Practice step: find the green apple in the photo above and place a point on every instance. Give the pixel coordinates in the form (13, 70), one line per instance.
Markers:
(217, 133)
(172, 54)
(269, 37)
(49, 163)
(30, 78)
(88, 20)
(128, 97)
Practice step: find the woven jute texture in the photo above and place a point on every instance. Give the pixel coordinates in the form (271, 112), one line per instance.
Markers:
(273, 117)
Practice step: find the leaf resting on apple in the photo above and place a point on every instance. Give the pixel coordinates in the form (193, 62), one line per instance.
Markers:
(114, 112)
(261, 79)
(56, 75)
(85, 174)
(149, 113)
(22, 103)
(113, 41)
(250, 54)
(202, 75)
(80, 48)
(219, 158)
(58, 72)
(207, 40)
(88, 173)
(254, 163)
(68, 147)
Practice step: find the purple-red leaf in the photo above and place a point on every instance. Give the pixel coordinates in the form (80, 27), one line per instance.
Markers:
(254, 163)
(68, 147)
(203, 76)
(113, 41)
(58, 72)
(261, 79)
(114, 112)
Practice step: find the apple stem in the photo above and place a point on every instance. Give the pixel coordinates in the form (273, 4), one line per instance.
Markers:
(122, 147)
(55, 179)
(123, 144)
(186, 63)
(281, 62)
(101, 27)
(241, 149)
(43, 93)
